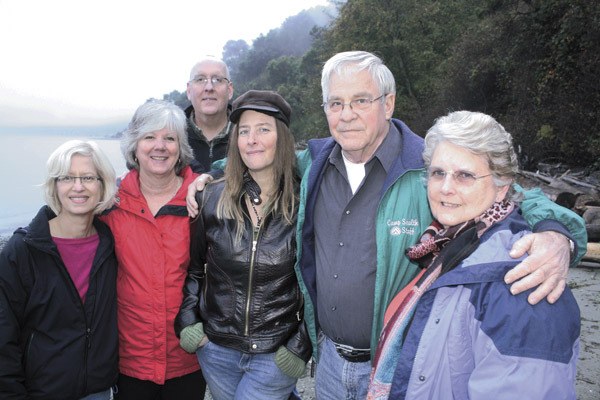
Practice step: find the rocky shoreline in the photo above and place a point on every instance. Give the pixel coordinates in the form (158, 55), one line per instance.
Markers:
(585, 284)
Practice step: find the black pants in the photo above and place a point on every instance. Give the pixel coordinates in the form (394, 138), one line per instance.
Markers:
(187, 387)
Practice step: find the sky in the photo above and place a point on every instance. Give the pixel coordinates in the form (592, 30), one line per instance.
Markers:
(84, 62)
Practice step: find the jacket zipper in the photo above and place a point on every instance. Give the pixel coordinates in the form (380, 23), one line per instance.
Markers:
(255, 233)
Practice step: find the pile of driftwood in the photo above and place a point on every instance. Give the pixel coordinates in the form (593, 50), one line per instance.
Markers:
(578, 190)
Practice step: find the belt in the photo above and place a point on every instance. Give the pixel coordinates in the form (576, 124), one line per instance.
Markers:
(351, 354)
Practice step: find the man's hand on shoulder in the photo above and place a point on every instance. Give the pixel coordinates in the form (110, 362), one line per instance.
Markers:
(546, 266)
(197, 185)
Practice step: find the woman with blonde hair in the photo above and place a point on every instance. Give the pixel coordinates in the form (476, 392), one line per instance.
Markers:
(58, 307)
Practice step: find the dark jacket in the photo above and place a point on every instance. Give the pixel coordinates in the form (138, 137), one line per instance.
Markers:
(245, 293)
(206, 152)
(52, 345)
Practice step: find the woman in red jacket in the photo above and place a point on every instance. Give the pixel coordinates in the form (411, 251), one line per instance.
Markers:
(152, 238)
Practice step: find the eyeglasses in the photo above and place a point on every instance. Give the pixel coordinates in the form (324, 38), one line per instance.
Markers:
(215, 80)
(84, 180)
(357, 105)
(461, 177)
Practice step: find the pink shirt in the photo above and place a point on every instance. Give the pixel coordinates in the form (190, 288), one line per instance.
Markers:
(78, 256)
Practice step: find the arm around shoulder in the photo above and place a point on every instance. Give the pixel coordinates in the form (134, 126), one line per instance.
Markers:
(543, 214)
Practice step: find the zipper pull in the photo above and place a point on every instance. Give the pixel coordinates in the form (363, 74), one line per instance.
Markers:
(254, 245)
(298, 316)
(88, 337)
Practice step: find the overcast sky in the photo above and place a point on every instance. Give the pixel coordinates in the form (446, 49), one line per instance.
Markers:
(65, 62)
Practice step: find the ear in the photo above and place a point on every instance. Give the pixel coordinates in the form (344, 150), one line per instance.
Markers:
(187, 91)
(390, 101)
(230, 89)
(501, 194)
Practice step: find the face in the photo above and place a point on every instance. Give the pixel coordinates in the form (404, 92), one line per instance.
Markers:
(453, 202)
(157, 152)
(359, 132)
(257, 141)
(209, 99)
(78, 198)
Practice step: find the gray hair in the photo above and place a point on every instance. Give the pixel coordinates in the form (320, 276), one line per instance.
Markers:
(59, 163)
(210, 59)
(480, 134)
(350, 62)
(153, 116)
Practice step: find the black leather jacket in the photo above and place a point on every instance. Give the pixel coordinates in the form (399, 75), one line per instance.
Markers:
(245, 293)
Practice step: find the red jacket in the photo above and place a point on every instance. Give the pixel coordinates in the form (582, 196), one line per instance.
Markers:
(153, 256)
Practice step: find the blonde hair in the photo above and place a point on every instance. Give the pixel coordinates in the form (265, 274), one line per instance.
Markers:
(59, 163)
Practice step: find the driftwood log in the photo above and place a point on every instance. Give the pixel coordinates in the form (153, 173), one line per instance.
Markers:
(593, 252)
(570, 191)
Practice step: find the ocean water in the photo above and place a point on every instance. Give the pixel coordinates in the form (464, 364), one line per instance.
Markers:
(23, 168)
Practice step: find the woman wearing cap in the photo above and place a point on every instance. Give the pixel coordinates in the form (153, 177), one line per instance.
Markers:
(242, 311)
(456, 332)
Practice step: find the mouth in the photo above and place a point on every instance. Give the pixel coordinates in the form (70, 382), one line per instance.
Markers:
(449, 205)
(159, 158)
(79, 199)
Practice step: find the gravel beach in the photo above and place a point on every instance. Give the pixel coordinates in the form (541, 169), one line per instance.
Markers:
(585, 283)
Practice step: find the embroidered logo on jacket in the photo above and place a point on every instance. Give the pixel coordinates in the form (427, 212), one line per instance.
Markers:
(403, 226)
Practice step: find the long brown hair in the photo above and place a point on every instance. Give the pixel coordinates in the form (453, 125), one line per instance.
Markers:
(284, 198)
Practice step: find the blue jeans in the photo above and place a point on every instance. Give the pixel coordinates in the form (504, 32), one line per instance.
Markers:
(231, 374)
(337, 378)
(105, 395)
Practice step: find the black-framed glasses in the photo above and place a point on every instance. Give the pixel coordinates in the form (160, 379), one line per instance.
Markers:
(360, 104)
(215, 80)
(84, 180)
(461, 177)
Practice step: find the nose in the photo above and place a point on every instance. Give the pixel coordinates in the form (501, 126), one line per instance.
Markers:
(78, 184)
(252, 137)
(208, 86)
(448, 184)
(347, 113)
(161, 144)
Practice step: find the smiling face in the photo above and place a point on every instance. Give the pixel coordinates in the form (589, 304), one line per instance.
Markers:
(77, 198)
(257, 141)
(209, 99)
(453, 203)
(358, 132)
(157, 152)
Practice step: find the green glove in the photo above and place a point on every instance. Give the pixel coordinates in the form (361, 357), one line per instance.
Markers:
(192, 337)
(289, 363)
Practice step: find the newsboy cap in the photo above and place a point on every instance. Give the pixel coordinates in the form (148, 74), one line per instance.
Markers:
(263, 101)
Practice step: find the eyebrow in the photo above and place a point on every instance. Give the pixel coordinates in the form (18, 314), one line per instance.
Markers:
(354, 96)
(259, 124)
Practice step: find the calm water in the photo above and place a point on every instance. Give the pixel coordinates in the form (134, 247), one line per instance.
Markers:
(22, 170)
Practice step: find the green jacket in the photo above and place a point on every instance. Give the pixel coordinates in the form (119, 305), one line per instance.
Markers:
(402, 215)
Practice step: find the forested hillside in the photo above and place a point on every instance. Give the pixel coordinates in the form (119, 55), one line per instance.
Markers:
(534, 65)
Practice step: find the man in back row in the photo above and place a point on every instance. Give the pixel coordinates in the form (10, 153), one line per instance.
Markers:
(209, 90)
